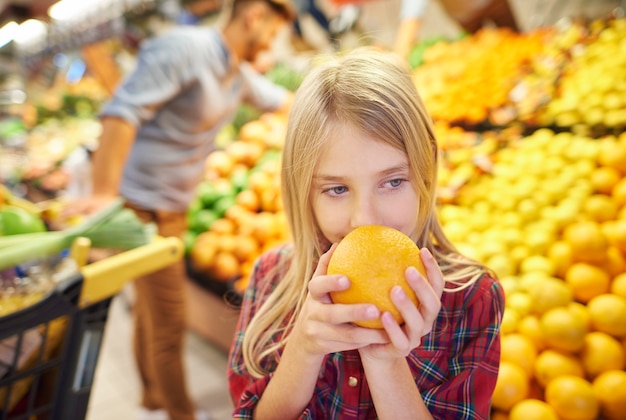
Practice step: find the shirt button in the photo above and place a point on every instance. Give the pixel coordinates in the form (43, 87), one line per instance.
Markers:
(353, 382)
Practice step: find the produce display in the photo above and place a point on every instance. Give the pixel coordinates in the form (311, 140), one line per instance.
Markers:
(238, 213)
(557, 76)
(532, 183)
(549, 217)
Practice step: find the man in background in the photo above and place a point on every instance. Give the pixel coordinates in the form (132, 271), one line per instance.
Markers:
(157, 131)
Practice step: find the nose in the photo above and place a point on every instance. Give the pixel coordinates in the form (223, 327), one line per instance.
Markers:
(363, 212)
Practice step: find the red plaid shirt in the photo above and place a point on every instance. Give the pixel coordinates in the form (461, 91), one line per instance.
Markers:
(455, 368)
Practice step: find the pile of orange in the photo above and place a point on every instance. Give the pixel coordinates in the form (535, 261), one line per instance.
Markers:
(467, 80)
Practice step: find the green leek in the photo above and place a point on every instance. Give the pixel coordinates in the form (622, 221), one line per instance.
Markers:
(113, 227)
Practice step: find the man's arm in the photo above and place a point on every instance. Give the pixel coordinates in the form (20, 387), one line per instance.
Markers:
(108, 163)
(109, 159)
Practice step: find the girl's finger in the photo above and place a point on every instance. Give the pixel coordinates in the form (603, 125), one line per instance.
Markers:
(396, 335)
(322, 264)
(349, 313)
(430, 301)
(433, 272)
(320, 286)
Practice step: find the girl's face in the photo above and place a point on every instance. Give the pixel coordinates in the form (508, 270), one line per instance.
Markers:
(360, 180)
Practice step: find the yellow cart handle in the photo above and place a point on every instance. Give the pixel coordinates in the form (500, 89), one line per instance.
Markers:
(106, 277)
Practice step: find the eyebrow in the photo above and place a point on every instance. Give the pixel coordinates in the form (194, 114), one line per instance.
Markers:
(334, 178)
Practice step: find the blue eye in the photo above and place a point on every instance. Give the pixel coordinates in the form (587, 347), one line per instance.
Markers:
(334, 191)
(339, 190)
(396, 182)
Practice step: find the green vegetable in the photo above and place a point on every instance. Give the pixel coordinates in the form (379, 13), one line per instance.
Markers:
(283, 75)
(202, 220)
(114, 227)
(15, 221)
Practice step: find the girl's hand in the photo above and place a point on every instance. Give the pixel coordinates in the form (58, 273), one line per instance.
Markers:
(418, 320)
(324, 327)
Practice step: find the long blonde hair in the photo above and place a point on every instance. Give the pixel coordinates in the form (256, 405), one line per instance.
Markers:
(373, 91)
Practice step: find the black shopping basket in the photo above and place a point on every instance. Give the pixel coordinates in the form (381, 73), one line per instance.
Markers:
(49, 351)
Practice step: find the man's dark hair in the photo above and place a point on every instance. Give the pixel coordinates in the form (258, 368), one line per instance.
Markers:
(283, 8)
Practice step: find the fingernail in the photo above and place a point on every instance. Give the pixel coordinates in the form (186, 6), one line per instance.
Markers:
(425, 252)
(343, 281)
(372, 312)
(398, 292)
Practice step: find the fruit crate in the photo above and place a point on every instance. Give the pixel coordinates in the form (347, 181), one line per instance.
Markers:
(49, 350)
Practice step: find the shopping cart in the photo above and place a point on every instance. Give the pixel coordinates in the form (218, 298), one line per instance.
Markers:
(49, 351)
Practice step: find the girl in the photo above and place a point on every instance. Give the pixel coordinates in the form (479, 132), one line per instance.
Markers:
(360, 150)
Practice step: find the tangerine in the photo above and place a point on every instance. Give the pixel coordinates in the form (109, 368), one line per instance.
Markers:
(532, 409)
(587, 281)
(600, 208)
(551, 364)
(520, 350)
(512, 386)
(608, 314)
(604, 179)
(618, 285)
(375, 259)
(601, 353)
(610, 390)
(564, 329)
(572, 398)
(588, 242)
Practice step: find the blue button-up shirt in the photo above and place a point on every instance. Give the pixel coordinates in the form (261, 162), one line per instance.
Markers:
(184, 89)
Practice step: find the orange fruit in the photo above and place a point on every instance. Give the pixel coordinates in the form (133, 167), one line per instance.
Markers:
(560, 253)
(619, 192)
(246, 248)
(587, 241)
(615, 263)
(572, 398)
(225, 226)
(618, 285)
(204, 250)
(615, 232)
(532, 409)
(265, 227)
(520, 350)
(249, 200)
(610, 390)
(582, 311)
(587, 281)
(548, 293)
(255, 131)
(601, 353)
(375, 258)
(220, 162)
(530, 327)
(225, 267)
(613, 154)
(564, 329)
(512, 386)
(608, 314)
(551, 364)
(604, 178)
(600, 207)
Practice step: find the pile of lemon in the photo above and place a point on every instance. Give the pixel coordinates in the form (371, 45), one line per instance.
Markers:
(550, 219)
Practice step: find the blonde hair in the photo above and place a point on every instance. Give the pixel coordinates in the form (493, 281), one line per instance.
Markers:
(374, 91)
